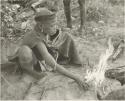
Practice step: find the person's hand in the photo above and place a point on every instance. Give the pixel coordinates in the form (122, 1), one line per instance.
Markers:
(82, 84)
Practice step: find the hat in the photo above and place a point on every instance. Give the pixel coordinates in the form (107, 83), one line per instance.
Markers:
(44, 15)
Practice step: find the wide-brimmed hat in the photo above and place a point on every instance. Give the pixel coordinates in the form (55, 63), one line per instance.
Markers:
(44, 15)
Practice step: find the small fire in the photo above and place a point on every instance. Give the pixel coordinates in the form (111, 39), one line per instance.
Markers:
(97, 74)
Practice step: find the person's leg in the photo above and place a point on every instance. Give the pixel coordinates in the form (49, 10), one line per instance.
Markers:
(67, 12)
(39, 66)
(82, 13)
(26, 61)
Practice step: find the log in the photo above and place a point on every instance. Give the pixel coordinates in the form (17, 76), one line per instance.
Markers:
(118, 94)
(116, 73)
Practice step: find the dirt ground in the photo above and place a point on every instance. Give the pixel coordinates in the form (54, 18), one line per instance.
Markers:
(57, 87)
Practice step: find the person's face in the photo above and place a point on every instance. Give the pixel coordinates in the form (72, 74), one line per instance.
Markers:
(49, 28)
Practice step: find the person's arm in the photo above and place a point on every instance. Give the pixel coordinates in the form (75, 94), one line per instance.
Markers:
(50, 61)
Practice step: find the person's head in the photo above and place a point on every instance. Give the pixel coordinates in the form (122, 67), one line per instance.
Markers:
(46, 20)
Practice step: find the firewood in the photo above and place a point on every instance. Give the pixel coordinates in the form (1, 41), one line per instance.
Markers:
(114, 95)
(116, 73)
(119, 50)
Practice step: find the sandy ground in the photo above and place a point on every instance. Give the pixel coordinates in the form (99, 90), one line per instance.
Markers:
(55, 86)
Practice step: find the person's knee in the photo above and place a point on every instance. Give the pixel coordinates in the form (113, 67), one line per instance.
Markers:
(25, 54)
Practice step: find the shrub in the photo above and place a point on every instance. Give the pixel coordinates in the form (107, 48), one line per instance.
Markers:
(13, 26)
(97, 10)
(116, 2)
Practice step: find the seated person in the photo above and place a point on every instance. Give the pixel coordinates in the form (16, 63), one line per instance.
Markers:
(44, 41)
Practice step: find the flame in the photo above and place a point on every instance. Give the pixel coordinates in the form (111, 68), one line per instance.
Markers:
(97, 74)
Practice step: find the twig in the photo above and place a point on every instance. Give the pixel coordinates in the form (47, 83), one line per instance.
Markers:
(42, 93)
(27, 91)
(117, 68)
(120, 66)
(6, 80)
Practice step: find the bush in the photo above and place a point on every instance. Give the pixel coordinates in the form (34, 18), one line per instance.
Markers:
(97, 11)
(8, 17)
(13, 25)
(116, 2)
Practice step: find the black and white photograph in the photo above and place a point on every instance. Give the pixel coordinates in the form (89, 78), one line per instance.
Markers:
(62, 50)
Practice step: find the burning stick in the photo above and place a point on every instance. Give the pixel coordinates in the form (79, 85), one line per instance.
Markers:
(119, 49)
(97, 74)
